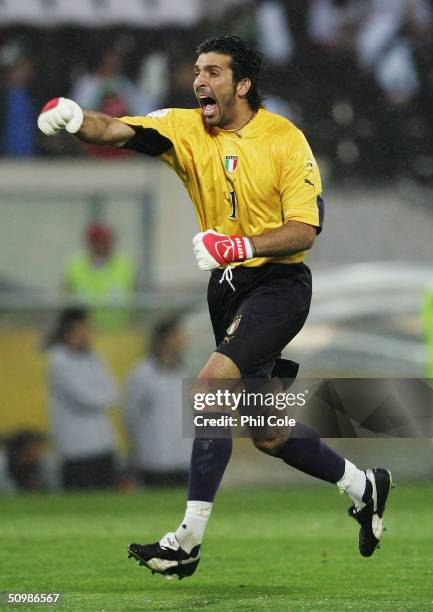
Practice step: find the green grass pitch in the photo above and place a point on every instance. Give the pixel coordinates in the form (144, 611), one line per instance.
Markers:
(278, 549)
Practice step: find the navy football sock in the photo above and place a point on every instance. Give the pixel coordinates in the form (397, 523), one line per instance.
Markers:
(305, 451)
(209, 459)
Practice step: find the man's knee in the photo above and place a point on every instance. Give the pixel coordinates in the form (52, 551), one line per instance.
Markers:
(270, 446)
(219, 366)
(219, 374)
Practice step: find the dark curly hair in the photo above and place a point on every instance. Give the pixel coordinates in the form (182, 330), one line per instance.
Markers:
(246, 62)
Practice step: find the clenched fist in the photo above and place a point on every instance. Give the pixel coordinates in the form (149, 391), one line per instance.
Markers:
(60, 114)
(213, 250)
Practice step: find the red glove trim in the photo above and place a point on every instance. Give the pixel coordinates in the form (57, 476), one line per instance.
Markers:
(51, 104)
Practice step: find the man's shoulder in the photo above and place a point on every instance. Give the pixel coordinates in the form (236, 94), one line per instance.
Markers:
(280, 126)
(167, 119)
(187, 118)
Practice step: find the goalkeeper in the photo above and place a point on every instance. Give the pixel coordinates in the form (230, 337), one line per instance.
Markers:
(256, 190)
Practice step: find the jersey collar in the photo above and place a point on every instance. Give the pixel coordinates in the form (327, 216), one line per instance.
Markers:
(248, 130)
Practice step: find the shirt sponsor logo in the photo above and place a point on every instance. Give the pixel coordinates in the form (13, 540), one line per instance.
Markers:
(231, 162)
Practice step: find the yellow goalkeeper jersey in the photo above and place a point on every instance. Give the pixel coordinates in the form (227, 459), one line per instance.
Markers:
(243, 182)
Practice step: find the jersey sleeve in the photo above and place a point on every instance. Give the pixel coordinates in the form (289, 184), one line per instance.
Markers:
(301, 186)
(156, 135)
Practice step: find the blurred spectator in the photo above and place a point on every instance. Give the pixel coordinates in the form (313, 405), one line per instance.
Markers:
(17, 108)
(386, 45)
(181, 90)
(109, 91)
(102, 277)
(274, 33)
(81, 392)
(332, 23)
(153, 410)
(281, 37)
(154, 78)
(355, 75)
(25, 459)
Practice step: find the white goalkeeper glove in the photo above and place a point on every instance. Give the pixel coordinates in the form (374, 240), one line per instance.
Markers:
(212, 249)
(60, 114)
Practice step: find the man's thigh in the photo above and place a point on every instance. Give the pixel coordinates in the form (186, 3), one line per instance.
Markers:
(264, 323)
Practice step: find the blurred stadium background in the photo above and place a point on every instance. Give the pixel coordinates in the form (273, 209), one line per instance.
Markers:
(356, 77)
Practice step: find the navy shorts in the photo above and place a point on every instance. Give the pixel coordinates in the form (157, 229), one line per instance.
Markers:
(253, 322)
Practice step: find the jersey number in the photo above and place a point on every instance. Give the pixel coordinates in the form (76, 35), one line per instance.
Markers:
(234, 205)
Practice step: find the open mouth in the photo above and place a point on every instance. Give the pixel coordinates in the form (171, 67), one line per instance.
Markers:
(209, 106)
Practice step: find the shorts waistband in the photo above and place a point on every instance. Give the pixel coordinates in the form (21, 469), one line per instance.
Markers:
(245, 273)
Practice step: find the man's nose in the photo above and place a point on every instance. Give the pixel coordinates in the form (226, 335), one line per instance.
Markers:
(200, 81)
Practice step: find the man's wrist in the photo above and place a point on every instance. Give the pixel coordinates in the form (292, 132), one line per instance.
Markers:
(242, 248)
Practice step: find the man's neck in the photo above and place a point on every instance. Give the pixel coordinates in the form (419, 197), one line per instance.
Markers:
(240, 120)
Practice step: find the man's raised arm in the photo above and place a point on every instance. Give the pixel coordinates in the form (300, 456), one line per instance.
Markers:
(89, 126)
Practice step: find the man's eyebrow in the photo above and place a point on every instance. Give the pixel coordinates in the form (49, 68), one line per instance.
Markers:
(208, 66)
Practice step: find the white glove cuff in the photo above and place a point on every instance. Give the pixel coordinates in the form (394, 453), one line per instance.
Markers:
(248, 249)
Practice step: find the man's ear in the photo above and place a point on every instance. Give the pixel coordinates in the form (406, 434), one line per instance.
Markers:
(243, 87)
